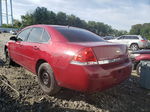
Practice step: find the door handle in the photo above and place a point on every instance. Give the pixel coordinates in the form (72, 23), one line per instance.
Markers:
(19, 44)
(35, 47)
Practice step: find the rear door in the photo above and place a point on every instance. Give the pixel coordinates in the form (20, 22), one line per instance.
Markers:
(133, 39)
(32, 48)
(127, 40)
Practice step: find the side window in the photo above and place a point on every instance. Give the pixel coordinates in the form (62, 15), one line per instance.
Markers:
(128, 37)
(45, 37)
(35, 35)
(125, 37)
(23, 35)
(135, 37)
(120, 38)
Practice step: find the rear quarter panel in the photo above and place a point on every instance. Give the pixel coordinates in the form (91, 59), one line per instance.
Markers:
(131, 41)
(59, 55)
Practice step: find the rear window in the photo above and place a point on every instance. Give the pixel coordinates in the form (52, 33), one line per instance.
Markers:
(79, 35)
(135, 37)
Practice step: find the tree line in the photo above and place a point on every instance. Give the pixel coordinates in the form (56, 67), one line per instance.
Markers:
(42, 15)
(141, 29)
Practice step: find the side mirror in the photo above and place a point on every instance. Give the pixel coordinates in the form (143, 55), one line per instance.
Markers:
(13, 38)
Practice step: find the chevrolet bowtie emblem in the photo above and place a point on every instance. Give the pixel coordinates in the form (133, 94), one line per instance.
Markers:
(118, 51)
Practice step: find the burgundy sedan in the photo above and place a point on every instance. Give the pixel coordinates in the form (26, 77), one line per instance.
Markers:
(69, 57)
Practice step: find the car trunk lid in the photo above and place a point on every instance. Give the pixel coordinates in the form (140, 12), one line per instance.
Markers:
(106, 50)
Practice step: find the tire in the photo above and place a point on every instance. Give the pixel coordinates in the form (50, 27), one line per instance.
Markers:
(47, 80)
(8, 60)
(138, 69)
(134, 47)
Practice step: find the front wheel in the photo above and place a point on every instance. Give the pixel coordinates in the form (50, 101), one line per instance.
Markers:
(47, 80)
(8, 60)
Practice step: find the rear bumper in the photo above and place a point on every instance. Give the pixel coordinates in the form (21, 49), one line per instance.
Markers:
(142, 44)
(114, 77)
(96, 77)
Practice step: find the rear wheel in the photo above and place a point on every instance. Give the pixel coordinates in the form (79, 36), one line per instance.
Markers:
(134, 47)
(47, 80)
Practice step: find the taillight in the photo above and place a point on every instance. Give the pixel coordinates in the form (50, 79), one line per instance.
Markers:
(144, 40)
(85, 57)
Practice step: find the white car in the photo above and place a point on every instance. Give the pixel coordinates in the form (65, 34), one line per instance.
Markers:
(13, 32)
(134, 42)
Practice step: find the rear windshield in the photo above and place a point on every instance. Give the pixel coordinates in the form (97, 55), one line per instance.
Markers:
(78, 35)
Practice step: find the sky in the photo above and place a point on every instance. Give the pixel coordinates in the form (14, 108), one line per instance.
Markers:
(120, 14)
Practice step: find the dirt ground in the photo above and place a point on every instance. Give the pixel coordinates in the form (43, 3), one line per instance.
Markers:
(126, 97)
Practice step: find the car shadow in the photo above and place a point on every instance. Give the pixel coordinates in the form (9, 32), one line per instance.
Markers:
(10, 104)
(1, 63)
(128, 96)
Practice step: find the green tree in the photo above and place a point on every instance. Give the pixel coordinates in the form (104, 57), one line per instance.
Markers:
(42, 15)
(92, 26)
(119, 33)
(17, 23)
(145, 30)
(7, 26)
(71, 20)
(61, 18)
(141, 29)
(27, 19)
(136, 29)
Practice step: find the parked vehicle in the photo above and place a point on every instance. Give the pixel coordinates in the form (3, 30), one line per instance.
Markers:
(5, 31)
(13, 32)
(138, 56)
(108, 37)
(134, 42)
(69, 57)
(148, 44)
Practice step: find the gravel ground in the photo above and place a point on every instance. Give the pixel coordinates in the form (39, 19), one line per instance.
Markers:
(126, 97)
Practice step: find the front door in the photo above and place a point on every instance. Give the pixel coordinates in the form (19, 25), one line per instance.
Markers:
(31, 49)
(18, 47)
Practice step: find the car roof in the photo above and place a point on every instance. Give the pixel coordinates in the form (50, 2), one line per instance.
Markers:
(50, 29)
(130, 35)
(54, 26)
